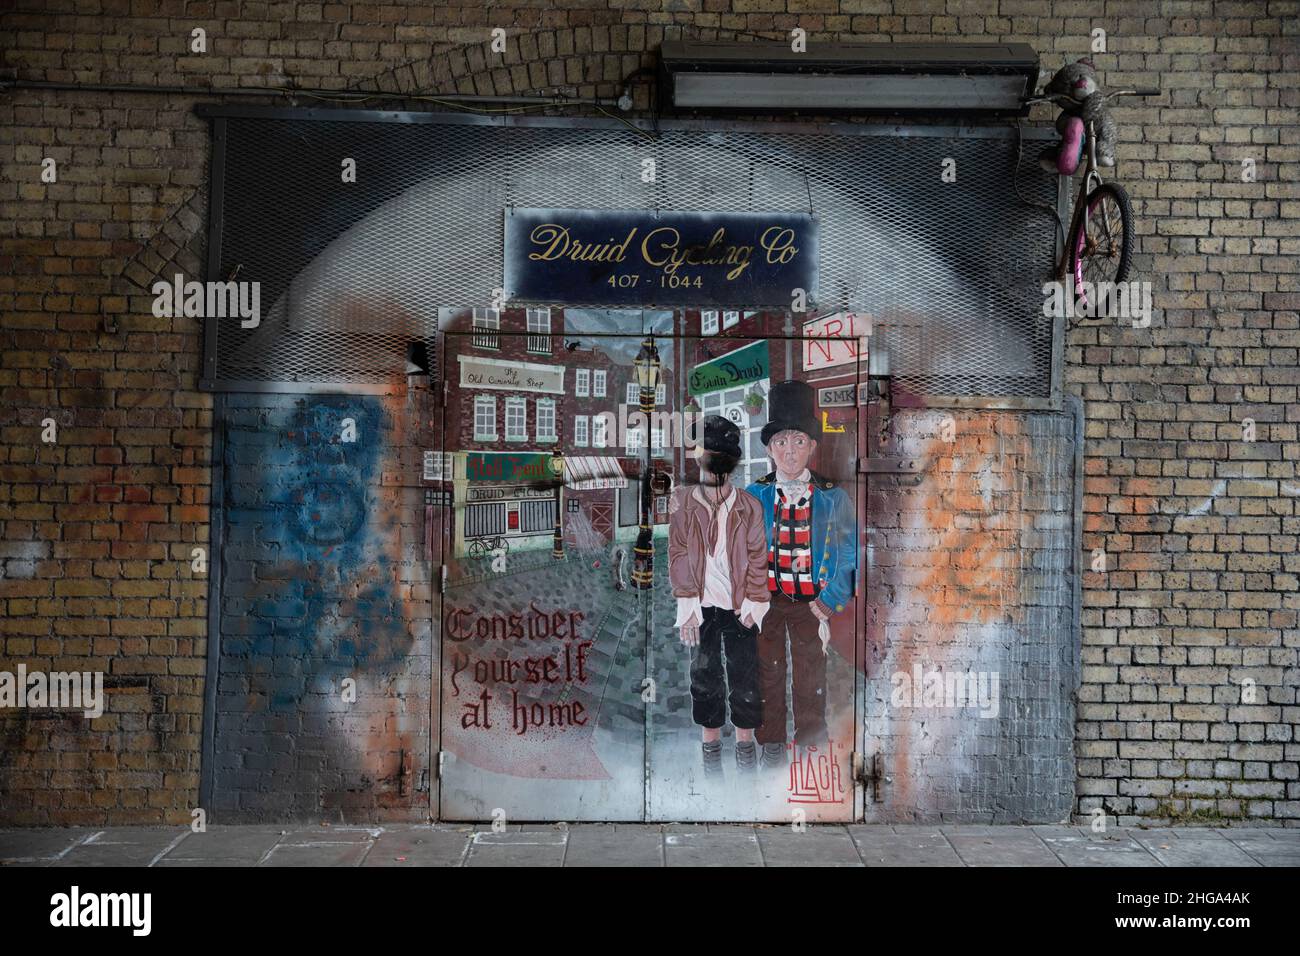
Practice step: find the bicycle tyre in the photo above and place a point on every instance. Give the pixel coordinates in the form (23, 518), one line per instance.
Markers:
(1093, 200)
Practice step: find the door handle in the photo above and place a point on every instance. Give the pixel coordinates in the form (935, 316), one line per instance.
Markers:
(620, 560)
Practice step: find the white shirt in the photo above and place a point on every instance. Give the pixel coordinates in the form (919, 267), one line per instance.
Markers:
(717, 577)
(717, 568)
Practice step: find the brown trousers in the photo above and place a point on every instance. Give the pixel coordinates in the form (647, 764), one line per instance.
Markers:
(809, 673)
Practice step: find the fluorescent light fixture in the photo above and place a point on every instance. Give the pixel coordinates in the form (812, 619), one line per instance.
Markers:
(888, 77)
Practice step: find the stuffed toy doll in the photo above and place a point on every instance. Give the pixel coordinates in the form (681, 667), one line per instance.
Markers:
(1085, 104)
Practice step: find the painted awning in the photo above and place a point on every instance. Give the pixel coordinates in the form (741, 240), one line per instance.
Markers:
(589, 472)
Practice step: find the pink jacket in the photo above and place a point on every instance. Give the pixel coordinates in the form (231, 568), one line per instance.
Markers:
(692, 536)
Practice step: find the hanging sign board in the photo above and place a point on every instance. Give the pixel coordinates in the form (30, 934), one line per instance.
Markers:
(647, 258)
(837, 339)
(744, 366)
(836, 396)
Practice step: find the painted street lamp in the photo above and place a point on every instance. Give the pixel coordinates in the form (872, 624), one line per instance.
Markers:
(647, 369)
(557, 468)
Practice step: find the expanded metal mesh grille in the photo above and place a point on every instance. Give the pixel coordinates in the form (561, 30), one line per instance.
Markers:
(350, 273)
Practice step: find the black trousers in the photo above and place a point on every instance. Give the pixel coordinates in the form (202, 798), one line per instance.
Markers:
(721, 634)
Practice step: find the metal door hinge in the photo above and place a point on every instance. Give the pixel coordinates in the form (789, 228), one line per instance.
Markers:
(442, 579)
(442, 759)
(870, 773)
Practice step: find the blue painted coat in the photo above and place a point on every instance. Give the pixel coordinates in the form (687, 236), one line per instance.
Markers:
(834, 535)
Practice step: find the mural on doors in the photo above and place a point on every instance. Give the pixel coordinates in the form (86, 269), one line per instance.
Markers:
(651, 543)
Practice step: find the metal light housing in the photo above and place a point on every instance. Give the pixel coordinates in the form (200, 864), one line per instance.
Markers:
(987, 78)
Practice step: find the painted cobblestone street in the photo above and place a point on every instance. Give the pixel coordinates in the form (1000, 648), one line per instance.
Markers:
(635, 653)
(449, 845)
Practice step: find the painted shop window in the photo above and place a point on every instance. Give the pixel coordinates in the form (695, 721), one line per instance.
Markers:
(634, 441)
(661, 393)
(629, 505)
(580, 430)
(546, 420)
(633, 393)
(539, 330)
(485, 518)
(657, 442)
(516, 419)
(437, 466)
(490, 321)
(582, 382)
(709, 322)
(599, 425)
(729, 319)
(485, 418)
(598, 383)
(537, 515)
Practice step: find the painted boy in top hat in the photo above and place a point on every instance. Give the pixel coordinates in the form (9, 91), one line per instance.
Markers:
(812, 552)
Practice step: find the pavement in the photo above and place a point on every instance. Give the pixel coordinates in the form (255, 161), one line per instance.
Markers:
(449, 844)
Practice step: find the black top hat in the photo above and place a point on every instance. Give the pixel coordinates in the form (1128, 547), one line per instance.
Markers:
(722, 436)
(791, 404)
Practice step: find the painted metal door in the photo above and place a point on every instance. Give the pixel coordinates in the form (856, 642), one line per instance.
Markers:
(543, 633)
(784, 681)
(566, 690)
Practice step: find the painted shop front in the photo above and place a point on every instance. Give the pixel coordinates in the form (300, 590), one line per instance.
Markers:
(567, 689)
(562, 378)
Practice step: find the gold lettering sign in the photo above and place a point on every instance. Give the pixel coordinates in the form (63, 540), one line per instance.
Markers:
(659, 257)
(662, 248)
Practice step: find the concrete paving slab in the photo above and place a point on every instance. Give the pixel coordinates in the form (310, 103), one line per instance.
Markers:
(517, 848)
(1243, 835)
(168, 863)
(1275, 857)
(980, 829)
(733, 846)
(1267, 849)
(420, 846)
(691, 827)
(235, 844)
(814, 846)
(124, 846)
(917, 830)
(1017, 847)
(883, 846)
(598, 845)
(347, 853)
(1082, 848)
(303, 836)
(1193, 848)
(39, 847)
(519, 838)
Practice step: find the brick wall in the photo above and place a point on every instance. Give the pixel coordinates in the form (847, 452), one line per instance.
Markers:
(1199, 527)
